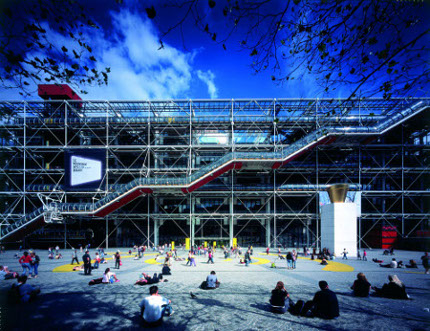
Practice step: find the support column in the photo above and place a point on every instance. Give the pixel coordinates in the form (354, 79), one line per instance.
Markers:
(268, 224)
(65, 235)
(231, 230)
(193, 222)
(107, 232)
(156, 227)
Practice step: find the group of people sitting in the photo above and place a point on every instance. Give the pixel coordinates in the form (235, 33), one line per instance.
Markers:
(325, 304)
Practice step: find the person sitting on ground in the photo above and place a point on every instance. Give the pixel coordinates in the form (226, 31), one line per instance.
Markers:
(400, 264)
(58, 256)
(393, 264)
(412, 264)
(6, 274)
(394, 289)
(277, 300)
(166, 270)
(211, 282)
(324, 304)
(324, 262)
(27, 293)
(97, 261)
(109, 277)
(154, 308)
(361, 286)
(147, 280)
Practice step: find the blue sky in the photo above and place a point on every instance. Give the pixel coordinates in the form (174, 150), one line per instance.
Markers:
(127, 42)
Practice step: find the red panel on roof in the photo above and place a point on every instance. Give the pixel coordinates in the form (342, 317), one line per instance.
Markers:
(57, 92)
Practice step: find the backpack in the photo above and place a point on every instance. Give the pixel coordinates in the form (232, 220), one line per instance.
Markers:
(273, 265)
(297, 309)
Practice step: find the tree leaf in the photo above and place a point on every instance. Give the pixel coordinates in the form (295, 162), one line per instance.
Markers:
(211, 3)
(92, 58)
(254, 52)
(150, 12)
(64, 49)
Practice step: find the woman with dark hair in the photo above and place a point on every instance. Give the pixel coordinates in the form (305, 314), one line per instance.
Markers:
(277, 301)
(361, 286)
(394, 289)
(109, 277)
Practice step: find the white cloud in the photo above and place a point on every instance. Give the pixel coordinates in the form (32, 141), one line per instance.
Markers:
(208, 78)
(139, 71)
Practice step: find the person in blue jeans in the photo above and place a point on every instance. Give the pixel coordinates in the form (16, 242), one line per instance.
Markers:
(25, 262)
(289, 260)
(35, 264)
(154, 308)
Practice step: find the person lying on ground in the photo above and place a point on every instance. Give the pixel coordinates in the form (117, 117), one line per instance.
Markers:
(154, 307)
(147, 280)
(412, 264)
(392, 264)
(377, 261)
(361, 287)
(278, 299)
(109, 277)
(394, 289)
(27, 293)
(5, 273)
(211, 282)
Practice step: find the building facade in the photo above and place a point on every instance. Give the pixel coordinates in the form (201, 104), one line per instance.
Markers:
(213, 170)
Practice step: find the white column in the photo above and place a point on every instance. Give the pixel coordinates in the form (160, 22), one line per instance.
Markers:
(339, 228)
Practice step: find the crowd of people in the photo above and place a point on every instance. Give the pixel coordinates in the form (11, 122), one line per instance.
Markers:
(154, 307)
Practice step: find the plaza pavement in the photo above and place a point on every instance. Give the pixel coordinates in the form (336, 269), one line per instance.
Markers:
(241, 303)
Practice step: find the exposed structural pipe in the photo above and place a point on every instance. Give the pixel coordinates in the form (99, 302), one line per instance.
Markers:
(235, 160)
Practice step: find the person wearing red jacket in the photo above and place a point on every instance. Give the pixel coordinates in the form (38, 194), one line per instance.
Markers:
(25, 262)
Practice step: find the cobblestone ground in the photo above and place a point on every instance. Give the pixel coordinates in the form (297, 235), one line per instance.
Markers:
(68, 303)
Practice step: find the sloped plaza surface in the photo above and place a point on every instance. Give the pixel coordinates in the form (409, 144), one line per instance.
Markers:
(67, 302)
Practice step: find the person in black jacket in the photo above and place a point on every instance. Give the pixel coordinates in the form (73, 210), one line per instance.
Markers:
(324, 304)
(279, 296)
(361, 286)
(395, 289)
(87, 263)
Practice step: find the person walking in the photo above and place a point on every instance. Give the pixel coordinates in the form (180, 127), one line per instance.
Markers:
(117, 260)
(87, 263)
(294, 259)
(25, 262)
(344, 253)
(35, 264)
(247, 257)
(74, 256)
(364, 255)
(425, 259)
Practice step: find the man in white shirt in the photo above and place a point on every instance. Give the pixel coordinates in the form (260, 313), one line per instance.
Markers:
(154, 308)
(393, 264)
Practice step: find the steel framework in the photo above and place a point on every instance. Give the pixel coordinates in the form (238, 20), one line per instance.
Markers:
(215, 169)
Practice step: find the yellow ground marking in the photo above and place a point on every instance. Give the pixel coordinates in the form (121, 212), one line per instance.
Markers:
(69, 267)
(259, 260)
(415, 272)
(332, 265)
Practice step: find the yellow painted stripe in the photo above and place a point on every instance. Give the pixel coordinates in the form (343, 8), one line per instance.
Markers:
(69, 267)
(332, 265)
(259, 260)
